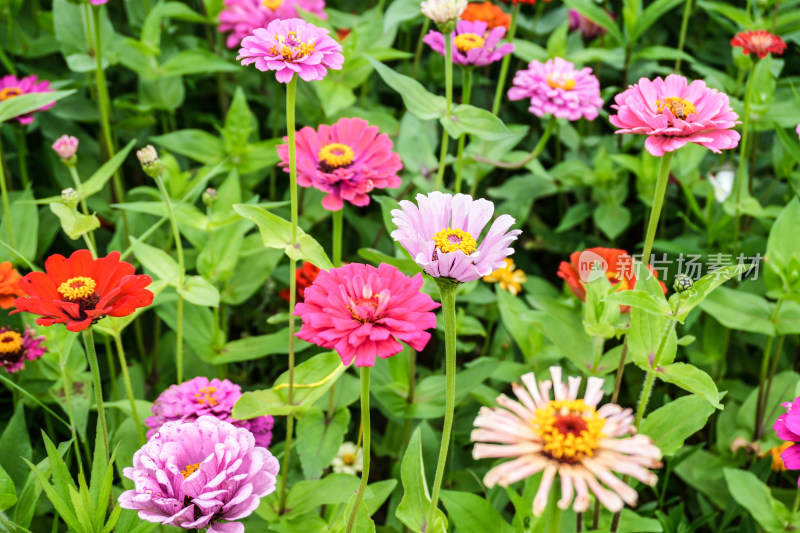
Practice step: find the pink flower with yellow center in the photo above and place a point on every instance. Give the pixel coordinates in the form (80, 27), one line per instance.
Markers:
(240, 17)
(557, 88)
(473, 43)
(566, 436)
(16, 348)
(11, 87)
(672, 112)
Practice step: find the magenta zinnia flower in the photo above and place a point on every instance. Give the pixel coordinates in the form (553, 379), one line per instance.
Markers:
(199, 397)
(194, 475)
(589, 29)
(362, 312)
(556, 88)
(16, 348)
(472, 43)
(787, 426)
(672, 112)
(11, 86)
(346, 160)
(289, 46)
(442, 234)
(567, 436)
(241, 17)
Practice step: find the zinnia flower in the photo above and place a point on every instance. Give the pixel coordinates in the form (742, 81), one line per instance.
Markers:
(349, 460)
(80, 290)
(241, 17)
(589, 29)
(347, 161)
(487, 12)
(787, 426)
(200, 396)
(760, 42)
(9, 285)
(556, 88)
(363, 312)
(16, 348)
(775, 452)
(66, 147)
(289, 46)
(195, 475)
(442, 234)
(797, 131)
(472, 43)
(672, 112)
(616, 265)
(304, 277)
(11, 86)
(443, 11)
(567, 436)
(510, 280)
(521, 1)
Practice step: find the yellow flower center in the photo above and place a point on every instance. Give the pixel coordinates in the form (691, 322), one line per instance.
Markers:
(290, 48)
(189, 470)
(449, 240)
(205, 396)
(78, 288)
(571, 430)
(10, 342)
(467, 41)
(272, 4)
(9, 92)
(335, 155)
(679, 107)
(349, 459)
(561, 80)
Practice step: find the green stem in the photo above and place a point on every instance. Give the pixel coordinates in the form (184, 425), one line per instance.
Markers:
(420, 44)
(647, 388)
(462, 139)
(70, 412)
(337, 236)
(762, 398)
(14, 387)
(22, 155)
(91, 355)
(620, 371)
(4, 191)
(447, 294)
(740, 175)
(537, 150)
(123, 363)
(366, 432)
(448, 94)
(76, 180)
(598, 351)
(687, 11)
(658, 203)
(501, 81)
(112, 369)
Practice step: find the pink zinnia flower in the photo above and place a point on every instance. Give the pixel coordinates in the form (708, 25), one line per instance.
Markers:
(362, 312)
(241, 17)
(760, 42)
(194, 475)
(672, 112)
(797, 130)
(66, 146)
(787, 426)
(11, 86)
(199, 397)
(472, 43)
(442, 234)
(347, 160)
(556, 88)
(16, 348)
(289, 46)
(567, 436)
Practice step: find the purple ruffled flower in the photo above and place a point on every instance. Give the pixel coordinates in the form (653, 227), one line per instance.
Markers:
(472, 43)
(16, 348)
(200, 396)
(787, 426)
(200, 474)
(442, 234)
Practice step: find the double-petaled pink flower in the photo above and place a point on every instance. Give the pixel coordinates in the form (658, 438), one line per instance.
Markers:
(347, 161)
(292, 46)
(672, 112)
(442, 233)
(472, 43)
(66, 146)
(363, 312)
(241, 17)
(11, 87)
(17, 347)
(557, 88)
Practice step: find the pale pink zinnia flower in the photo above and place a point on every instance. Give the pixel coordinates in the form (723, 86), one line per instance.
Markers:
(567, 436)
(16, 348)
(289, 46)
(442, 234)
(199, 397)
(362, 312)
(11, 86)
(66, 146)
(241, 17)
(347, 160)
(200, 474)
(797, 130)
(472, 43)
(672, 112)
(556, 88)
(787, 426)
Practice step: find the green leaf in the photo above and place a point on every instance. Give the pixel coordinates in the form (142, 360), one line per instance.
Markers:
(472, 514)
(417, 99)
(98, 180)
(73, 223)
(641, 300)
(8, 494)
(157, 262)
(320, 439)
(653, 13)
(511, 310)
(194, 144)
(736, 309)
(692, 379)
(612, 219)
(305, 496)
(752, 494)
(256, 347)
(15, 446)
(479, 122)
(783, 250)
(414, 508)
(564, 330)
(196, 61)
(669, 426)
(25, 227)
(25, 103)
(702, 288)
(199, 291)
(592, 11)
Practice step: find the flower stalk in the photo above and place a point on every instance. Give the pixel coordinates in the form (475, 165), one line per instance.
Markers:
(365, 370)
(4, 191)
(462, 139)
(448, 94)
(91, 355)
(123, 363)
(658, 203)
(501, 80)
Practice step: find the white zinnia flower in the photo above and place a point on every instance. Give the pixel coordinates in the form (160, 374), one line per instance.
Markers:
(348, 460)
(443, 11)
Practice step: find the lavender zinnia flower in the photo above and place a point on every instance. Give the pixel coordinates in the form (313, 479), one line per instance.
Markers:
(200, 474)
(473, 44)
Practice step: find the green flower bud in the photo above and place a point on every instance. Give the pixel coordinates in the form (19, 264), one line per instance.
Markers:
(683, 283)
(70, 198)
(151, 164)
(210, 197)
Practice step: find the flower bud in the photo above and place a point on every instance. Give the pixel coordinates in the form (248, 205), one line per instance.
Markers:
(444, 13)
(151, 164)
(70, 197)
(683, 283)
(210, 197)
(66, 147)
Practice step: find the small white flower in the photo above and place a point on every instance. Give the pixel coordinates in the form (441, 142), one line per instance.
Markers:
(443, 11)
(722, 182)
(348, 460)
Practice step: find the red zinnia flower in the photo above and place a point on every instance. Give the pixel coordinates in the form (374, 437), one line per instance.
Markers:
(305, 276)
(759, 42)
(81, 290)
(520, 1)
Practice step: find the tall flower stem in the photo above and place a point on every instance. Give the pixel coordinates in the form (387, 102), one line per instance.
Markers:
(649, 380)
(4, 191)
(366, 435)
(462, 139)
(420, 43)
(687, 11)
(763, 388)
(598, 351)
(123, 363)
(76, 180)
(291, 93)
(22, 155)
(740, 175)
(91, 355)
(501, 80)
(176, 235)
(537, 150)
(448, 94)
(447, 293)
(338, 225)
(658, 203)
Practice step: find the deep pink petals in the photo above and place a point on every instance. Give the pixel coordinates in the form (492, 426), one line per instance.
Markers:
(479, 56)
(11, 86)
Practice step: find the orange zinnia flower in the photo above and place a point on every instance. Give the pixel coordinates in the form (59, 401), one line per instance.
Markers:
(488, 13)
(9, 290)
